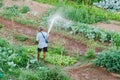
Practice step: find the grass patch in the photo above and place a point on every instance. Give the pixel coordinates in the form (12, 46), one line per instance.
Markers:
(1, 25)
(21, 37)
(28, 22)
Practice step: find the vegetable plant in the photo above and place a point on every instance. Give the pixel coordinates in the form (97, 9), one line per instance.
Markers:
(110, 60)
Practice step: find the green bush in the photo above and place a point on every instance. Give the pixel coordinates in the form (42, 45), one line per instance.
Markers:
(3, 43)
(24, 9)
(110, 60)
(43, 73)
(20, 37)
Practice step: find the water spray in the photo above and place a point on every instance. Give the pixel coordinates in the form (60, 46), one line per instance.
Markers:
(56, 18)
(53, 20)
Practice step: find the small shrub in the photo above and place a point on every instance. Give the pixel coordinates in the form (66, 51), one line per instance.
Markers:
(110, 60)
(24, 9)
(90, 54)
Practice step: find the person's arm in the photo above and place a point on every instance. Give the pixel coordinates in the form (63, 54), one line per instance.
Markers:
(36, 42)
(47, 35)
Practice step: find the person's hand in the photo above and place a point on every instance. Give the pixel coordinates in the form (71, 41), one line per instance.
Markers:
(36, 42)
(48, 35)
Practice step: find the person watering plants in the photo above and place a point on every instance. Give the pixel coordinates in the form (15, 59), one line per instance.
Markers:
(42, 40)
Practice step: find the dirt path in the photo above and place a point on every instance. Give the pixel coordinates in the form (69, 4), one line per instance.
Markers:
(112, 26)
(89, 72)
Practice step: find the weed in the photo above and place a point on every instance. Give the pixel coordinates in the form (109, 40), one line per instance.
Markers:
(24, 9)
(90, 54)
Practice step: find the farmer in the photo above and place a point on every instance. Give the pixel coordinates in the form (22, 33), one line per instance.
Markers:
(41, 39)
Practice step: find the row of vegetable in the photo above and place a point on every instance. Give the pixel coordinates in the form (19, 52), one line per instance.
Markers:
(21, 59)
(95, 33)
(112, 5)
(91, 32)
(19, 56)
(53, 58)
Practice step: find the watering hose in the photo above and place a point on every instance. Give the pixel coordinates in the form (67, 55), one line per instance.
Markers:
(1, 75)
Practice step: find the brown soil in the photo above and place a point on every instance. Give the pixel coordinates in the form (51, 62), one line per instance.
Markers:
(112, 26)
(89, 72)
